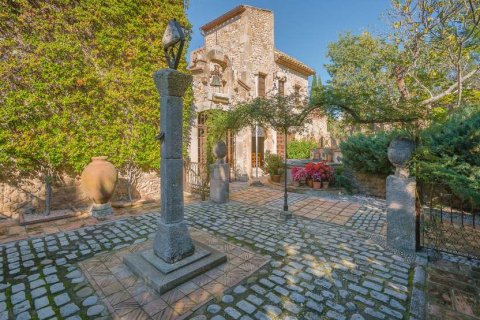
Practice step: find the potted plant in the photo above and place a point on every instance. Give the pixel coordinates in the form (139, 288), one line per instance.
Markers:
(309, 171)
(298, 175)
(317, 180)
(326, 172)
(273, 164)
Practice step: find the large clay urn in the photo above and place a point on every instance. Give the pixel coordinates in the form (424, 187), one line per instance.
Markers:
(99, 179)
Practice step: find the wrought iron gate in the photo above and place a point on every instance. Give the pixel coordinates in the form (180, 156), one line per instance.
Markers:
(448, 223)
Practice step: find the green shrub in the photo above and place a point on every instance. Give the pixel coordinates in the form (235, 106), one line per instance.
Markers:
(300, 149)
(450, 153)
(367, 154)
(340, 180)
(273, 164)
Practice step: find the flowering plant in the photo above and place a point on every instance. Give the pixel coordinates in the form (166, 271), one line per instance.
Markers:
(319, 171)
(317, 177)
(298, 174)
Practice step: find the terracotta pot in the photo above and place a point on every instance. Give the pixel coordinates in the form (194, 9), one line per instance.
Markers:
(317, 184)
(296, 183)
(325, 184)
(310, 183)
(276, 178)
(99, 179)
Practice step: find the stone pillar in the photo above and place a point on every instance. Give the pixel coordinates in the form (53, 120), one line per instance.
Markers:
(400, 194)
(219, 175)
(172, 240)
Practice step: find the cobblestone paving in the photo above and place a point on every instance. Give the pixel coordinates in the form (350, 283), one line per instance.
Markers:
(317, 269)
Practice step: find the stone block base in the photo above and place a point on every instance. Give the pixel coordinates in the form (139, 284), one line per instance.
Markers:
(100, 211)
(163, 277)
(173, 242)
(401, 213)
(219, 182)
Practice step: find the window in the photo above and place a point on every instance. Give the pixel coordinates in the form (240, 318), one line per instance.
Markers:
(297, 93)
(261, 85)
(281, 87)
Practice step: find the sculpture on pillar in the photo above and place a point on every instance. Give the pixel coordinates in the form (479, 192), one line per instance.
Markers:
(219, 175)
(174, 258)
(401, 191)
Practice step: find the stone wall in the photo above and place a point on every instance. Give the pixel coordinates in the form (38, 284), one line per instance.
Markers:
(29, 196)
(369, 184)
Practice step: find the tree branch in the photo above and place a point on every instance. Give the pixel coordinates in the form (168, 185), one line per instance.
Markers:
(450, 89)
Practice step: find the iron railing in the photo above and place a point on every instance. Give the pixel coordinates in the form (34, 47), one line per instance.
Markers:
(447, 222)
(195, 177)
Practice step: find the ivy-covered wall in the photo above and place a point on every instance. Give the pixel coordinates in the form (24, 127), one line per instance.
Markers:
(77, 83)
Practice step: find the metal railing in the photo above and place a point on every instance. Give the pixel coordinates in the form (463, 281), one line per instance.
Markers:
(447, 222)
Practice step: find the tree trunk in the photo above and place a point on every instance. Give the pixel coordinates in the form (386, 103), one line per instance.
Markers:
(48, 195)
(129, 190)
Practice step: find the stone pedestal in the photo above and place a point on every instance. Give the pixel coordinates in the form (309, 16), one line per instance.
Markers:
(219, 182)
(101, 211)
(401, 213)
(173, 259)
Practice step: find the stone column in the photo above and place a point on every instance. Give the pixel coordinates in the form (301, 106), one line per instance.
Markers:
(401, 210)
(172, 240)
(219, 175)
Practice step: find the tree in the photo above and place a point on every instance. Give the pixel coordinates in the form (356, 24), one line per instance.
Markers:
(77, 82)
(429, 62)
(282, 113)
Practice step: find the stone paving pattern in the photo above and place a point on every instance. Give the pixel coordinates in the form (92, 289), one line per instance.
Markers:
(127, 296)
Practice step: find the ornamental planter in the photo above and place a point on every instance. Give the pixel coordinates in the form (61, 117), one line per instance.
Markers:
(99, 179)
(276, 178)
(325, 184)
(317, 184)
(310, 183)
(296, 183)
(399, 153)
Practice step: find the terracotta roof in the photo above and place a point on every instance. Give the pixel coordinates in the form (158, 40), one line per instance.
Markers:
(292, 63)
(224, 17)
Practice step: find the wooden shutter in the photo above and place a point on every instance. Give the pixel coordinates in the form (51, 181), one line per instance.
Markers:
(261, 85)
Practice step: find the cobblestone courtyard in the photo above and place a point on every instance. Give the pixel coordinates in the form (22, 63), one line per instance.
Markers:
(328, 262)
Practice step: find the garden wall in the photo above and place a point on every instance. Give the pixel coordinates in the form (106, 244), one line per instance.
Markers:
(369, 183)
(29, 197)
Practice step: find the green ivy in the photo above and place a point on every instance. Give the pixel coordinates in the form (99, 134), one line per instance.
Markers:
(77, 82)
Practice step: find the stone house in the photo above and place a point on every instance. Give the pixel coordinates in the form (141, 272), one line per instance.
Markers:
(239, 62)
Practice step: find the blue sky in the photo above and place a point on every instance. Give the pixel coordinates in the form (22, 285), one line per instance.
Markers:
(303, 28)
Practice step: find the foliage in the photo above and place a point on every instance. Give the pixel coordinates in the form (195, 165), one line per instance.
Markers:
(450, 154)
(300, 149)
(77, 82)
(430, 60)
(367, 153)
(273, 164)
(340, 180)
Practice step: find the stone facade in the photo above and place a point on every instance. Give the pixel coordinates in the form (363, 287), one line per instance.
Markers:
(239, 62)
(29, 197)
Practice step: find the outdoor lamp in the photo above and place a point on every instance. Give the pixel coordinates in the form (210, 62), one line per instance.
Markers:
(173, 38)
